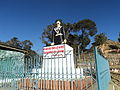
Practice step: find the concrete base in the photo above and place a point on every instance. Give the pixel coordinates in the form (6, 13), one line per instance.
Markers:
(58, 62)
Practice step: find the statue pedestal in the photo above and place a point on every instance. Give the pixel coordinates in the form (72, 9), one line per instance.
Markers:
(58, 63)
(58, 59)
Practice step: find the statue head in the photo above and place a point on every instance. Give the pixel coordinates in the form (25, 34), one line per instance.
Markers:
(58, 22)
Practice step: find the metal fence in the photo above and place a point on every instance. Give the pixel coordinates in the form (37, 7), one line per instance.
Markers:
(43, 73)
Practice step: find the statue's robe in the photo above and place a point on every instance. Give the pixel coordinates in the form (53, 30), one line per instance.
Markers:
(58, 35)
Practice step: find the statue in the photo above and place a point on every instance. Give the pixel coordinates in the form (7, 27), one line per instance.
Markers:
(58, 34)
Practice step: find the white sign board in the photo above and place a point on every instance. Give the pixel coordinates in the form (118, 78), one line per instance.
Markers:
(54, 51)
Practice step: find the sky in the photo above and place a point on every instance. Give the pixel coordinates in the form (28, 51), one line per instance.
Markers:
(26, 19)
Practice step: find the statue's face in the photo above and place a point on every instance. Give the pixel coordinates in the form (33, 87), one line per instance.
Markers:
(58, 22)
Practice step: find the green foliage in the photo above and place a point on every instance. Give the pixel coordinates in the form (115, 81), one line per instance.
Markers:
(119, 37)
(100, 39)
(85, 28)
(47, 35)
(14, 42)
(77, 34)
(27, 44)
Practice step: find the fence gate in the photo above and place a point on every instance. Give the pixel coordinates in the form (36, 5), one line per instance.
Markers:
(55, 71)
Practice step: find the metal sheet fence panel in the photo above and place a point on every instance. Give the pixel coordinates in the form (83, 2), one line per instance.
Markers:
(38, 73)
(103, 71)
(11, 69)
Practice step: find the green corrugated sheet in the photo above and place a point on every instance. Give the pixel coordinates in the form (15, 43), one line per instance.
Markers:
(11, 64)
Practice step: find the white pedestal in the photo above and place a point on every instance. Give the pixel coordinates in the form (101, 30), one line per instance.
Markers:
(58, 63)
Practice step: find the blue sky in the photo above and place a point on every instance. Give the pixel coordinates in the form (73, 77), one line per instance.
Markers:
(26, 19)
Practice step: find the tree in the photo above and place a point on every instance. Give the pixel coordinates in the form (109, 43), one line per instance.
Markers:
(77, 34)
(85, 28)
(27, 44)
(14, 42)
(100, 39)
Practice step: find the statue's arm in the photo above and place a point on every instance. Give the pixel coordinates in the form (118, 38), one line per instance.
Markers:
(65, 41)
(52, 38)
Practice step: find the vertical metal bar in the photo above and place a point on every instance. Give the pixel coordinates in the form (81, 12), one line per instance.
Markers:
(2, 73)
(85, 72)
(27, 71)
(32, 68)
(22, 73)
(62, 75)
(33, 60)
(44, 73)
(81, 73)
(37, 72)
(24, 86)
(71, 72)
(17, 76)
(47, 80)
(90, 61)
(76, 83)
(81, 76)
(58, 75)
(35, 82)
(5, 75)
(41, 69)
(66, 71)
(41, 59)
(54, 73)
(51, 73)
(5, 78)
